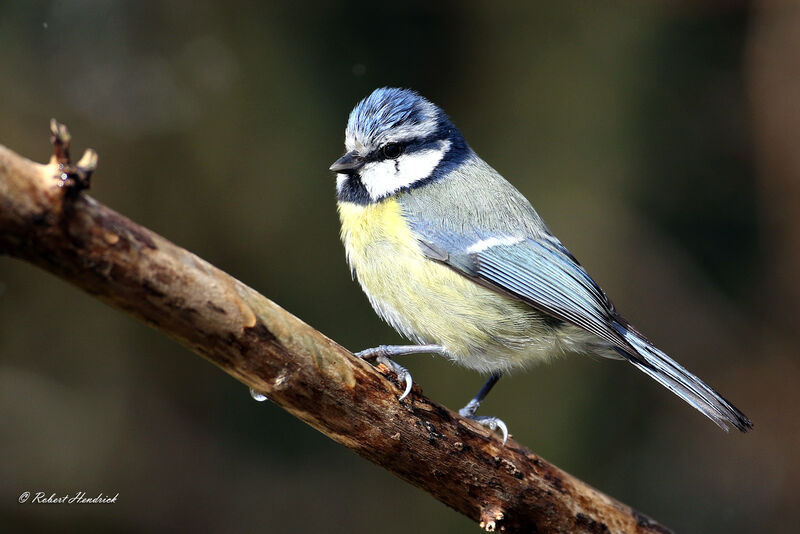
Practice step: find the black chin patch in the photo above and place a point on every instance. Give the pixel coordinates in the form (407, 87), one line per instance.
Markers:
(353, 190)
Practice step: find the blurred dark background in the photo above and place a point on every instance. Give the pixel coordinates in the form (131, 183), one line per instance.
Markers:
(659, 140)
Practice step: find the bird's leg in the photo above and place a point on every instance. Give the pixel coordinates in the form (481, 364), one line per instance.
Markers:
(492, 423)
(384, 354)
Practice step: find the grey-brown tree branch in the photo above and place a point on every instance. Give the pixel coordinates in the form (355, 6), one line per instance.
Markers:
(46, 220)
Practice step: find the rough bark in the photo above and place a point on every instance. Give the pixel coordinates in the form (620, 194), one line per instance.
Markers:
(46, 220)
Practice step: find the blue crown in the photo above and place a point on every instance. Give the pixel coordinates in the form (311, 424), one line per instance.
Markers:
(390, 108)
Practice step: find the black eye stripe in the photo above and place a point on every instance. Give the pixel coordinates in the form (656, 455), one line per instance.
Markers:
(380, 154)
(392, 150)
(408, 146)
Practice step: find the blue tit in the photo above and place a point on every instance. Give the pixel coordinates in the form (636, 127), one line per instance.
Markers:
(453, 257)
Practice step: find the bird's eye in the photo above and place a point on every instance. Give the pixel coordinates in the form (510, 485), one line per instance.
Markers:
(392, 150)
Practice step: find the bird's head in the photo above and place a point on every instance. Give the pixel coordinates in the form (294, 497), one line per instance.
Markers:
(396, 140)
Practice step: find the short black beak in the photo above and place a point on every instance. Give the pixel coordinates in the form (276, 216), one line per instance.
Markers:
(348, 163)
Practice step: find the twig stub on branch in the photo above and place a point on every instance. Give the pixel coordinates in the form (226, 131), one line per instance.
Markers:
(74, 178)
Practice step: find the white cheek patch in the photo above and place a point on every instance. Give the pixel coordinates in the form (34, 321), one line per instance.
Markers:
(382, 178)
(483, 244)
(379, 177)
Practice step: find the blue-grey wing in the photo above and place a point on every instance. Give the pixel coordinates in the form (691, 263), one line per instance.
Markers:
(538, 271)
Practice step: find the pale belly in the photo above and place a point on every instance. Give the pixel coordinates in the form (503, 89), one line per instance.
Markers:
(430, 303)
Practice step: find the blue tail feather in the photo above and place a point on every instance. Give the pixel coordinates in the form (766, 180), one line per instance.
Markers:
(670, 374)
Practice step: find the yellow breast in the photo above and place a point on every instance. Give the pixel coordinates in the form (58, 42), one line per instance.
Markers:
(429, 302)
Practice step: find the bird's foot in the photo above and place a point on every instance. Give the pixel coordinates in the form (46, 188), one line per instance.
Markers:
(492, 423)
(381, 355)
